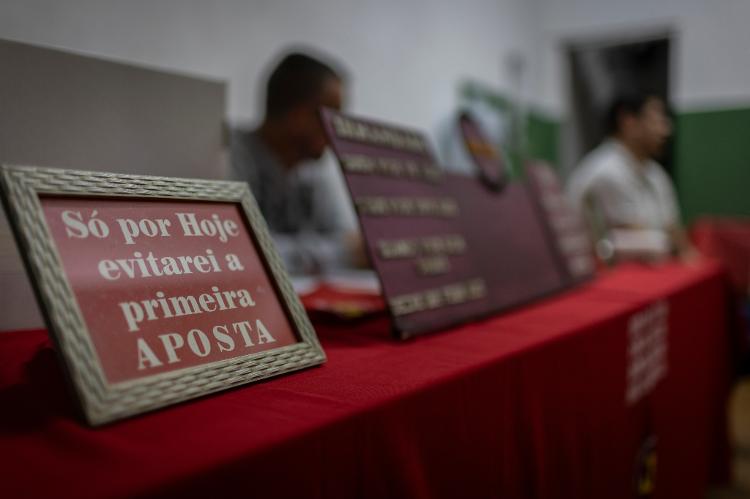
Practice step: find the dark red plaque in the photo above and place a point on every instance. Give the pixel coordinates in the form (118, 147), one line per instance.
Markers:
(488, 161)
(448, 248)
(566, 229)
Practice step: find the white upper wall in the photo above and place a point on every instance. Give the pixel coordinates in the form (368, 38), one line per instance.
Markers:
(406, 57)
(711, 44)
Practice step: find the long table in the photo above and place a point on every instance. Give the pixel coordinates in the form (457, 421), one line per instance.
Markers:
(727, 240)
(615, 385)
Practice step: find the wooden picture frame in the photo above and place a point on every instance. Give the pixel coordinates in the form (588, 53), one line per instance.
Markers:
(28, 191)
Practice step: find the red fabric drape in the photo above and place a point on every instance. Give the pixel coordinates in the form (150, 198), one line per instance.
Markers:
(530, 404)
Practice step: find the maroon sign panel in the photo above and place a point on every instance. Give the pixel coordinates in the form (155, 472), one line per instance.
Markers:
(447, 247)
(165, 285)
(566, 229)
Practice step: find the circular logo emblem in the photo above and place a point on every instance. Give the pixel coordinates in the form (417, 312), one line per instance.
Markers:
(488, 161)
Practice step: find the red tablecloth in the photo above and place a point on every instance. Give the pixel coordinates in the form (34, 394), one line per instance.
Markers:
(530, 404)
(727, 240)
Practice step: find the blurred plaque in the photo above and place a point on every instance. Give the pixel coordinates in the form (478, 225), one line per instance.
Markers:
(487, 160)
(448, 248)
(566, 229)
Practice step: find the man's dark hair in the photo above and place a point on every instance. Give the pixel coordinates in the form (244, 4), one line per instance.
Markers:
(630, 102)
(296, 80)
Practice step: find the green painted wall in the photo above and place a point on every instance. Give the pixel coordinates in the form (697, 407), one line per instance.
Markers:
(711, 158)
(541, 132)
(712, 161)
(542, 138)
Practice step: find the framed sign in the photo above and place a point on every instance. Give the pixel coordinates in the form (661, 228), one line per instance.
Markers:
(155, 290)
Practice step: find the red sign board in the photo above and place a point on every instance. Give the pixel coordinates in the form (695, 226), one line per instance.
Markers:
(447, 247)
(155, 290)
(565, 226)
(165, 285)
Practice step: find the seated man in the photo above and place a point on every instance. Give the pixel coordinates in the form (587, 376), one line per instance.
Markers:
(298, 202)
(623, 192)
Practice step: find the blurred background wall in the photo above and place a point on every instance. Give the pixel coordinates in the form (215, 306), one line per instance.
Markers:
(709, 85)
(404, 57)
(410, 61)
